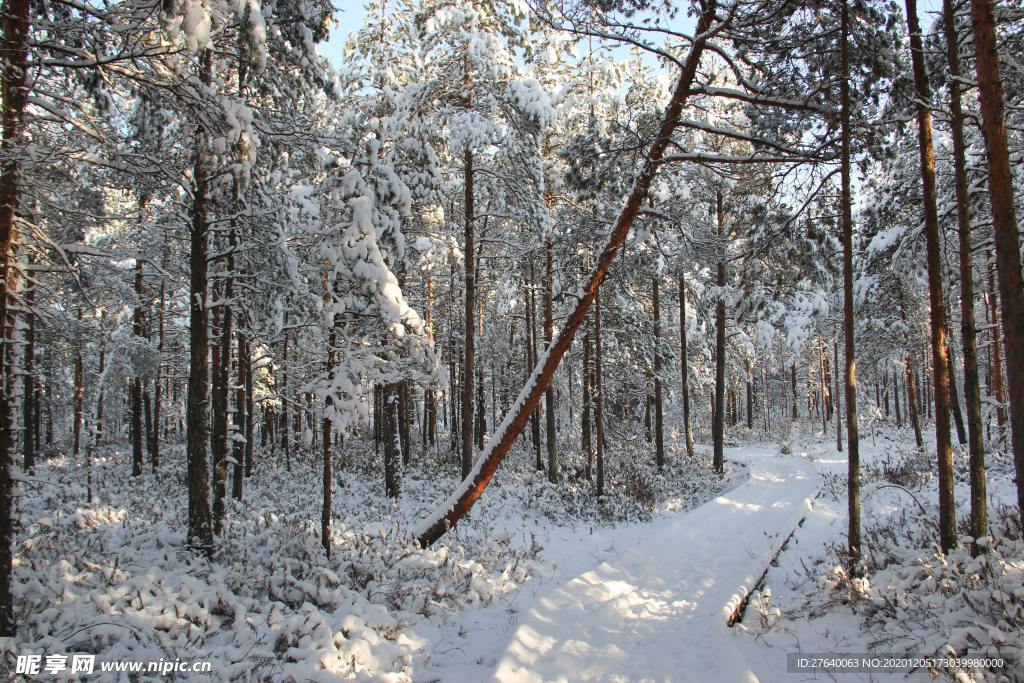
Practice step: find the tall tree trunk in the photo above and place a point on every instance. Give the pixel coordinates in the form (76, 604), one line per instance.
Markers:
(1004, 220)
(718, 419)
(896, 398)
(837, 398)
(37, 419)
(824, 389)
(14, 47)
(30, 398)
(954, 397)
(684, 368)
(480, 414)
(598, 395)
(852, 429)
(659, 418)
(79, 396)
(221, 389)
(551, 438)
(998, 389)
(327, 480)
(249, 413)
(792, 382)
(147, 413)
(238, 469)
(393, 441)
(97, 432)
(378, 418)
(430, 396)
(968, 331)
(937, 312)
(588, 442)
(472, 488)
(750, 394)
(200, 531)
(915, 418)
(285, 430)
(531, 324)
(648, 437)
(136, 386)
(470, 291)
(154, 446)
(885, 393)
(405, 409)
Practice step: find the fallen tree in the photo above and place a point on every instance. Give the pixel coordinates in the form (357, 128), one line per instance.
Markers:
(472, 487)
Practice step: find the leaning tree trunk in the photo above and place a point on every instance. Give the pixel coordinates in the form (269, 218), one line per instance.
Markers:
(937, 311)
(200, 529)
(452, 510)
(1004, 221)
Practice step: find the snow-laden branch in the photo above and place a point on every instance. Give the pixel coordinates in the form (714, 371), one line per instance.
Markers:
(472, 487)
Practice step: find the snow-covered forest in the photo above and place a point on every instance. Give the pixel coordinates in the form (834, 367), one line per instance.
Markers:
(524, 340)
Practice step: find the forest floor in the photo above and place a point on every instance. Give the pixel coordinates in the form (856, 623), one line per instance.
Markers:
(656, 608)
(102, 566)
(541, 582)
(913, 602)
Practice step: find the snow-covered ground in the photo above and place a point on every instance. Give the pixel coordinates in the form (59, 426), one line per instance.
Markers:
(112, 577)
(913, 601)
(540, 583)
(658, 610)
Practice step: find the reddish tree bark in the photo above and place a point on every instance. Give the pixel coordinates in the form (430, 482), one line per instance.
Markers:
(505, 435)
(1004, 220)
(936, 306)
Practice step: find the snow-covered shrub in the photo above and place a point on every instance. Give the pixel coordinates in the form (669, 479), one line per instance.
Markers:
(915, 599)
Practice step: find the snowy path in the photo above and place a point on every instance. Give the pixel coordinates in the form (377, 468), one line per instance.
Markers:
(658, 611)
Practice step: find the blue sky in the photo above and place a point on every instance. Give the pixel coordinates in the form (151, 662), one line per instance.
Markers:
(349, 17)
(351, 13)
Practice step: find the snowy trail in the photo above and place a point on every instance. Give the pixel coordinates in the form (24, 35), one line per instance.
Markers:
(658, 611)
